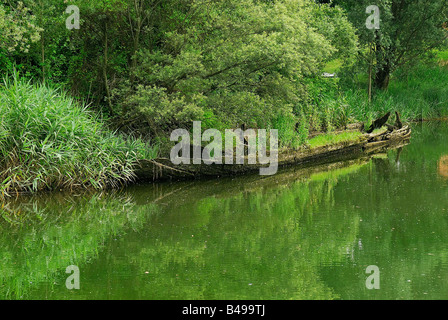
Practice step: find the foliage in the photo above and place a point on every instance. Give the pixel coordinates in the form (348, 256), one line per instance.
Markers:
(417, 93)
(408, 31)
(244, 65)
(18, 28)
(153, 66)
(48, 141)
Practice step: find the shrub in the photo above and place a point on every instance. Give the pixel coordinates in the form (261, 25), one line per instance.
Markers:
(48, 141)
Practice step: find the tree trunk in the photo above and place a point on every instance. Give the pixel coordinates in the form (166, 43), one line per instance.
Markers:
(136, 46)
(370, 74)
(384, 65)
(382, 78)
(42, 41)
(139, 21)
(105, 64)
(42, 44)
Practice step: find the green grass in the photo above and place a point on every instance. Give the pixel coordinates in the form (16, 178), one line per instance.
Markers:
(422, 94)
(332, 139)
(419, 94)
(48, 142)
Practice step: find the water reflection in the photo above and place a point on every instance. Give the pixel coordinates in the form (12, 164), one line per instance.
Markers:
(207, 240)
(301, 234)
(41, 236)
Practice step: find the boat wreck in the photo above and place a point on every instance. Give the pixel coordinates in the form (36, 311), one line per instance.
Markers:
(368, 144)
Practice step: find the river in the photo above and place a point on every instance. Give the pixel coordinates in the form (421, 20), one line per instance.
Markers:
(301, 234)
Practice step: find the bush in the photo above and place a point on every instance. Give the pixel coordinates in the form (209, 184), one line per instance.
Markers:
(232, 63)
(47, 141)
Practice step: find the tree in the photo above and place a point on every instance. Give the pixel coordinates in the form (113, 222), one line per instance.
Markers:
(237, 61)
(409, 30)
(156, 65)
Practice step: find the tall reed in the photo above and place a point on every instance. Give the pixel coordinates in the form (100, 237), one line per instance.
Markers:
(48, 141)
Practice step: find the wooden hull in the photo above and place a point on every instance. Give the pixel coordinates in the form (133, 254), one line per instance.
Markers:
(367, 145)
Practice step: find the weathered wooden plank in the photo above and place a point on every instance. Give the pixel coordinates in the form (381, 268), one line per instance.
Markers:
(367, 145)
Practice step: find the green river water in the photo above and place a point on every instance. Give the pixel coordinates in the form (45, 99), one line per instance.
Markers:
(301, 234)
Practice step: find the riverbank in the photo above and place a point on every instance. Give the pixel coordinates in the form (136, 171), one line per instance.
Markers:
(50, 142)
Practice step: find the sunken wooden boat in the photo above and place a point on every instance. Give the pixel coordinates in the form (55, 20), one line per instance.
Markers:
(367, 145)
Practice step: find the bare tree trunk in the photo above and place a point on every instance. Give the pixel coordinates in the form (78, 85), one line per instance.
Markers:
(135, 50)
(384, 65)
(136, 32)
(370, 75)
(105, 64)
(42, 43)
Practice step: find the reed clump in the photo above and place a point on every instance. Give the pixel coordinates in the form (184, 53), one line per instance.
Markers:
(48, 141)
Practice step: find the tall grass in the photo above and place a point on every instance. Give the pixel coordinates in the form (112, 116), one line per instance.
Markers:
(419, 93)
(48, 141)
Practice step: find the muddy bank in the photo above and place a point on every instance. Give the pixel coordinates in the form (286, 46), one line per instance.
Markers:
(365, 145)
